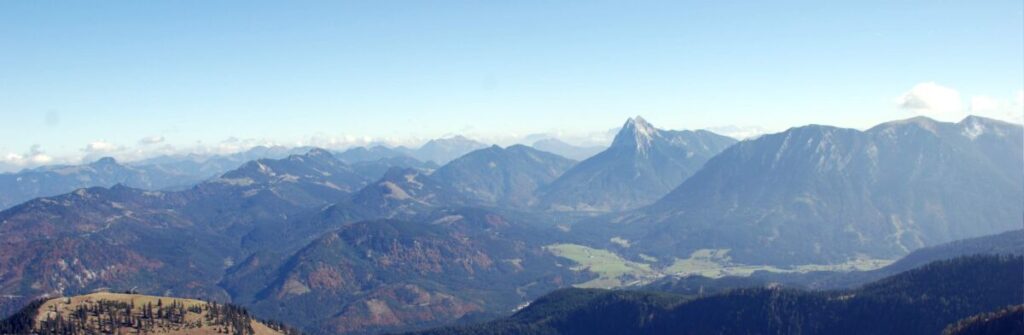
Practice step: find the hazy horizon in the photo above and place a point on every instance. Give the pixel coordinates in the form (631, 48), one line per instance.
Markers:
(233, 145)
(134, 80)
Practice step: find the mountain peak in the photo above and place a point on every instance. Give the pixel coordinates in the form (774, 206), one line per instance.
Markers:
(975, 119)
(105, 161)
(639, 121)
(636, 132)
(974, 126)
(318, 152)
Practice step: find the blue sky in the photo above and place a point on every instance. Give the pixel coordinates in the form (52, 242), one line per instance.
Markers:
(79, 79)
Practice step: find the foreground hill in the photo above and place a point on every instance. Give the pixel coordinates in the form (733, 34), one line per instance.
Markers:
(819, 194)
(642, 165)
(113, 313)
(921, 301)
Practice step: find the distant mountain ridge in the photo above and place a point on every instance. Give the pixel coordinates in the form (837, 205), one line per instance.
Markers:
(558, 147)
(642, 165)
(439, 151)
(503, 176)
(158, 173)
(48, 181)
(205, 166)
(443, 150)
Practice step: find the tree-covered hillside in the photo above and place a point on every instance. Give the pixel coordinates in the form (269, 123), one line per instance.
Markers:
(924, 300)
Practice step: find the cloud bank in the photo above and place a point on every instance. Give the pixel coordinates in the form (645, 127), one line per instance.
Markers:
(946, 104)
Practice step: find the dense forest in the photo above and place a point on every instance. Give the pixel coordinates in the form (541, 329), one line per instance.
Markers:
(924, 300)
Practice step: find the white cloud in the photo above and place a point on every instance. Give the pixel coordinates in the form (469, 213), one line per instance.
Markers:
(97, 149)
(101, 147)
(150, 140)
(985, 104)
(1003, 109)
(740, 132)
(945, 104)
(934, 101)
(31, 158)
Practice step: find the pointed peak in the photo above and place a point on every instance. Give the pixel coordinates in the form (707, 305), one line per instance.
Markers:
(974, 126)
(638, 121)
(638, 124)
(636, 132)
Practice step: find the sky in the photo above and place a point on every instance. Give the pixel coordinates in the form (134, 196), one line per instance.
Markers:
(84, 79)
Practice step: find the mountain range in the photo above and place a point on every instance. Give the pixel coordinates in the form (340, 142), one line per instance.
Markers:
(381, 239)
(819, 194)
(175, 172)
(158, 173)
(259, 234)
(437, 151)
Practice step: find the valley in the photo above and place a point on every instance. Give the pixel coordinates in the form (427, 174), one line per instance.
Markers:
(615, 272)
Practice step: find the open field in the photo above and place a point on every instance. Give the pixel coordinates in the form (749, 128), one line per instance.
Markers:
(615, 271)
